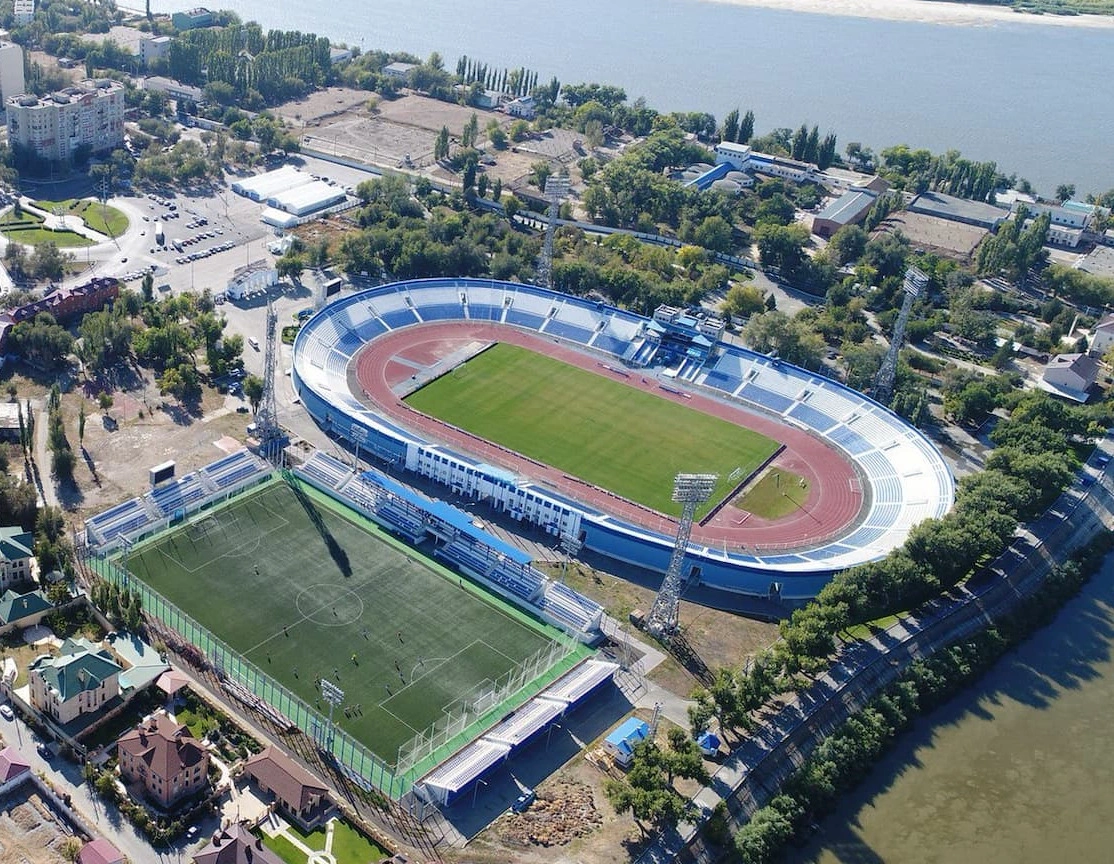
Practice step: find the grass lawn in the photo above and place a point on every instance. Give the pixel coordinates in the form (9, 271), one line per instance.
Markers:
(776, 494)
(349, 845)
(282, 847)
(352, 847)
(106, 219)
(27, 229)
(306, 591)
(604, 432)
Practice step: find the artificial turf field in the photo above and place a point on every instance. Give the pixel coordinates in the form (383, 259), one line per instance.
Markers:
(260, 574)
(625, 440)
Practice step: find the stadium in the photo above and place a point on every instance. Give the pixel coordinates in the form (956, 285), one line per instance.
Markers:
(502, 391)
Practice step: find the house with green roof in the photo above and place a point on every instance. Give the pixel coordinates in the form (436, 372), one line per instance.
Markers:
(22, 610)
(17, 557)
(79, 681)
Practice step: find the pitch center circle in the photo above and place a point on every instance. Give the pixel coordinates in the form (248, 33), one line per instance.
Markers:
(329, 604)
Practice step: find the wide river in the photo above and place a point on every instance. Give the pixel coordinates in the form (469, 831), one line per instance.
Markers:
(1031, 97)
(1018, 770)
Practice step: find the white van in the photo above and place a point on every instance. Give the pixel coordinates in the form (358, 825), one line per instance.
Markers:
(253, 342)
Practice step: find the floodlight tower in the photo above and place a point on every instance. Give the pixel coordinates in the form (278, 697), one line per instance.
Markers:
(266, 418)
(334, 696)
(915, 283)
(690, 490)
(556, 189)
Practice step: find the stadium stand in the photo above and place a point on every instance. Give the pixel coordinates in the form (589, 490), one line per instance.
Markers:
(174, 499)
(905, 477)
(482, 557)
(447, 781)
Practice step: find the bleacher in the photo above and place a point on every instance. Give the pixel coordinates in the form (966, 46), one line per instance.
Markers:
(808, 415)
(178, 495)
(569, 607)
(571, 332)
(851, 441)
(234, 469)
(521, 318)
(524, 723)
(449, 778)
(399, 318)
(325, 469)
(350, 343)
(767, 399)
(611, 344)
(122, 520)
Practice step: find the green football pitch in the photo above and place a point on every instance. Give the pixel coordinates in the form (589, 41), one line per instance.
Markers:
(623, 439)
(306, 590)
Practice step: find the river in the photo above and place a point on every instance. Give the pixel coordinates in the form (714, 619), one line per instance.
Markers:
(1017, 770)
(1027, 96)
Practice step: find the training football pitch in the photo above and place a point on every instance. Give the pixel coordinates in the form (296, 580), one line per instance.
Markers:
(623, 439)
(306, 589)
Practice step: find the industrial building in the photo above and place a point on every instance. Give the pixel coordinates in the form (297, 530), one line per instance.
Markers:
(307, 198)
(251, 279)
(263, 186)
(975, 213)
(850, 208)
(173, 89)
(192, 19)
(90, 114)
(11, 69)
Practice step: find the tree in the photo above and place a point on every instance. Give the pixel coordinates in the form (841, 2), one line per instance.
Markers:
(104, 401)
(81, 425)
(743, 300)
(540, 172)
(253, 390)
(441, 145)
(1065, 192)
(511, 206)
(148, 287)
(470, 132)
(746, 128)
(731, 125)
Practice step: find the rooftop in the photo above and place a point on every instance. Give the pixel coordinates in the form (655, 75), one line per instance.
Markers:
(15, 543)
(286, 778)
(11, 764)
(14, 606)
(949, 207)
(164, 746)
(236, 845)
(848, 206)
(78, 668)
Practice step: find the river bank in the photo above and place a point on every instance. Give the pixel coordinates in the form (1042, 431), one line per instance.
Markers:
(926, 12)
(1012, 770)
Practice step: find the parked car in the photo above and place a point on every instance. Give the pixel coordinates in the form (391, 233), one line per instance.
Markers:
(6, 712)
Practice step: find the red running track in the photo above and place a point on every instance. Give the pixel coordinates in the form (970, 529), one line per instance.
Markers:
(834, 501)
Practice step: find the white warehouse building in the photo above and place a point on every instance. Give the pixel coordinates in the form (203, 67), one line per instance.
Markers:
(307, 198)
(270, 183)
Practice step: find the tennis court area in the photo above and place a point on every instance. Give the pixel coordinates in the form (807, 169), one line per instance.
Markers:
(306, 589)
(620, 438)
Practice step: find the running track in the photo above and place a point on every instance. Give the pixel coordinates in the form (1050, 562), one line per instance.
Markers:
(834, 500)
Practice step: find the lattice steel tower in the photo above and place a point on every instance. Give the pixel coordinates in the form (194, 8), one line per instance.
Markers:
(266, 418)
(691, 490)
(915, 283)
(556, 190)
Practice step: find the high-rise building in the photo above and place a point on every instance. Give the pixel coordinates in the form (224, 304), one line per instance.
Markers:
(24, 11)
(11, 69)
(89, 114)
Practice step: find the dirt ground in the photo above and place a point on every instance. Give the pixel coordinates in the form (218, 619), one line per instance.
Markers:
(30, 831)
(578, 786)
(718, 638)
(143, 429)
